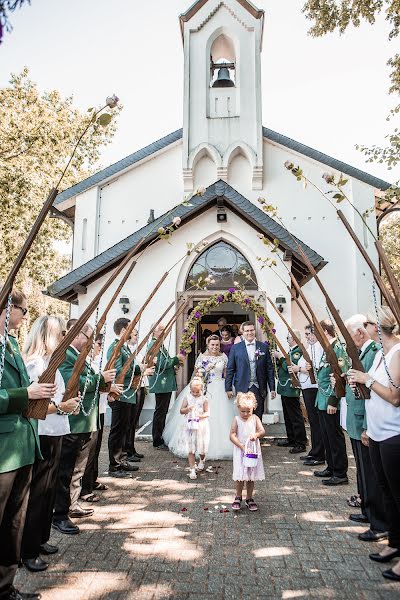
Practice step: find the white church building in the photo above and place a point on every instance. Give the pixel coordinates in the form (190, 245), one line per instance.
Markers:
(224, 148)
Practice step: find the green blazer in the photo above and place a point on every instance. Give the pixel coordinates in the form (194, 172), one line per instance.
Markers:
(163, 381)
(284, 376)
(19, 440)
(130, 394)
(325, 395)
(356, 416)
(80, 423)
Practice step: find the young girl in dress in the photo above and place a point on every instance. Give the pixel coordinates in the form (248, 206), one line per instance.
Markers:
(245, 427)
(195, 407)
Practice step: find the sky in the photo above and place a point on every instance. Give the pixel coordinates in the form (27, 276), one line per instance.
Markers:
(329, 93)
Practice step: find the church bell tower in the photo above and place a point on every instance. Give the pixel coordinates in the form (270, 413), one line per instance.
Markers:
(222, 43)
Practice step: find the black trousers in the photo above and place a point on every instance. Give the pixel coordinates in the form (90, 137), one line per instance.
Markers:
(74, 455)
(260, 401)
(39, 514)
(368, 488)
(385, 458)
(136, 411)
(89, 476)
(294, 421)
(120, 422)
(14, 495)
(317, 444)
(160, 414)
(334, 442)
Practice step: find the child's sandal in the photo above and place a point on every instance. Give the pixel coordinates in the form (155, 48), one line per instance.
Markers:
(237, 503)
(251, 505)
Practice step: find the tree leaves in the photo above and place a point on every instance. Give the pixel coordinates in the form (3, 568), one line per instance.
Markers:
(104, 119)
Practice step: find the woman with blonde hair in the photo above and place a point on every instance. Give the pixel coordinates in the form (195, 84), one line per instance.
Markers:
(383, 426)
(45, 335)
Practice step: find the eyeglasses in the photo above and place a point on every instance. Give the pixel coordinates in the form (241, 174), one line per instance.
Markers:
(368, 323)
(86, 336)
(23, 310)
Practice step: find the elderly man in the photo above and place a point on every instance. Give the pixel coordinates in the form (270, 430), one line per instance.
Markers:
(371, 501)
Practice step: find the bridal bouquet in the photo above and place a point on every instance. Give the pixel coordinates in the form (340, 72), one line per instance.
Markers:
(205, 370)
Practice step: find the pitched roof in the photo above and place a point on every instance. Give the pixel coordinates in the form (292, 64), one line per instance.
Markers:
(196, 6)
(68, 286)
(268, 134)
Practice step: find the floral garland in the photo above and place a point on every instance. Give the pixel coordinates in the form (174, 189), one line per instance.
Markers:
(238, 296)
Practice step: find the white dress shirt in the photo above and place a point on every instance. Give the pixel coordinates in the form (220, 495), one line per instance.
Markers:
(315, 351)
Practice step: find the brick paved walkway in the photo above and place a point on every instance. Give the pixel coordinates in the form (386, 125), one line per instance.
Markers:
(152, 537)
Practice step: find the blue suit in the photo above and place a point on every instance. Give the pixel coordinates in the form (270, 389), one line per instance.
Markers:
(238, 372)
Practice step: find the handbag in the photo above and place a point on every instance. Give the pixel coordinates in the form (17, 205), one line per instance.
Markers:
(250, 454)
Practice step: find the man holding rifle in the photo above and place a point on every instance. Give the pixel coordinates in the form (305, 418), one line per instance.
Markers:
(19, 443)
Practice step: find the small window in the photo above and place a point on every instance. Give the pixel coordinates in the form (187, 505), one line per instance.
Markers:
(84, 234)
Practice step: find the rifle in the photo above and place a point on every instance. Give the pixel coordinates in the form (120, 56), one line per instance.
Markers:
(9, 282)
(394, 284)
(293, 376)
(351, 348)
(395, 308)
(117, 348)
(122, 374)
(296, 339)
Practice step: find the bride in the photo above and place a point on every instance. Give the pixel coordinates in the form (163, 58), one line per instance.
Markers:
(211, 367)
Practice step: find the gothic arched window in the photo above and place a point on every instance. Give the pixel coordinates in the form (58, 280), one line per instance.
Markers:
(225, 264)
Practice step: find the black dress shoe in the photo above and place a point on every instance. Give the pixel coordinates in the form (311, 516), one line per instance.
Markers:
(358, 518)
(372, 536)
(138, 454)
(335, 481)
(161, 447)
(119, 474)
(297, 449)
(324, 473)
(306, 457)
(284, 443)
(66, 526)
(390, 574)
(133, 458)
(80, 513)
(17, 595)
(384, 559)
(35, 564)
(313, 462)
(125, 466)
(48, 549)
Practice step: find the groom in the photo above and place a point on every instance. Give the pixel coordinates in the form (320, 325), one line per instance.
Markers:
(250, 368)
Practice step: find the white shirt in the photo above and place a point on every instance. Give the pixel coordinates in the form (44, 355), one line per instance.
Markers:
(315, 351)
(53, 425)
(103, 395)
(251, 349)
(364, 346)
(382, 417)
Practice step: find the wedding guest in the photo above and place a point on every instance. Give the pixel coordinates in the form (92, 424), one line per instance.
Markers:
(19, 445)
(222, 322)
(70, 323)
(372, 510)
(45, 335)
(162, 384)
(227, 340)
(76, 445)
(383, 428)
(239, 337)
(197, 430)
(329, 415)
(290, 396)
(246, 427)
(140, 398)
(316, 455)
(250, 368)
(235, 330)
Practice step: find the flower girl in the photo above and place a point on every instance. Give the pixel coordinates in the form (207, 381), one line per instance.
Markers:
(197, 431)
(248, 465)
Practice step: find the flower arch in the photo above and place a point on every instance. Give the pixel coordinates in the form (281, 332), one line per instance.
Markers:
(232, 295)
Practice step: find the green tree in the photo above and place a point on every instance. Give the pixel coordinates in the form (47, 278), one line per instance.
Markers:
(37, 135)
(389, 233)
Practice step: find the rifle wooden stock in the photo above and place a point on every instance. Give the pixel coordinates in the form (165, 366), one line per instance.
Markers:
(351, 348)
(122, 374)
(395, 308)
(394, 284)
(296, 339)
(340, 387)
(117, 348)
(9, 282)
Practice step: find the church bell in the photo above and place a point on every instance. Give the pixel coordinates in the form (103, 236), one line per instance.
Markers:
(223, 79)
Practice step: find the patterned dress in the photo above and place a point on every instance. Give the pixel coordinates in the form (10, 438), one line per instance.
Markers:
(241, 473)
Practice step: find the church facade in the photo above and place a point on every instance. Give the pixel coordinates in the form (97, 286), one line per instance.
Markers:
(224, 148)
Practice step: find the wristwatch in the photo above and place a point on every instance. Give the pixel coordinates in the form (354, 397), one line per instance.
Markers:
(369, 383)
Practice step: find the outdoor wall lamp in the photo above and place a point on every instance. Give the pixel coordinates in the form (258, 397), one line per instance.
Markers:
(124, 302)
(280, 301)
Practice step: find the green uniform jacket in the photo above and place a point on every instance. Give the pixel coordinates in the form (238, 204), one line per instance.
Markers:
(356, 417)
(284, 376)
(19, 441)
(325, 395)
(163, 380)
(130, 395)
(80, 423)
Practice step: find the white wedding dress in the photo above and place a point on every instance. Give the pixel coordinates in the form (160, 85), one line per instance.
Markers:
(222, 411)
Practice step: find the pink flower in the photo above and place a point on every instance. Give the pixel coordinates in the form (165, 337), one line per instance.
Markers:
(176, 221)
